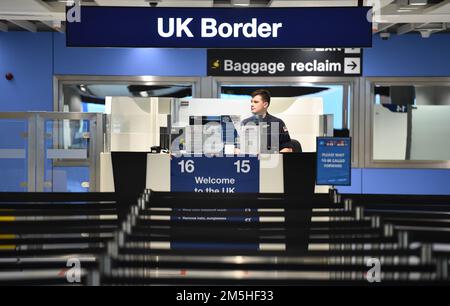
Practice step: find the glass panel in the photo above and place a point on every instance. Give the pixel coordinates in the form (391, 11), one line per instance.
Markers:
(410, 122)
(331, 97)
(13, 155)
(228, 126)
(389, 133)
(300, 107)
(70, 179)
(66, 146)
(138, 124)
(430, 134)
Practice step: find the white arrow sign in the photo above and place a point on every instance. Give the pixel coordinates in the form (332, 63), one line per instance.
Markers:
(352, 65)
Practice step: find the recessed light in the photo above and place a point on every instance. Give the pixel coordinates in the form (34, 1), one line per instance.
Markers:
(240, 2)
(418, 2)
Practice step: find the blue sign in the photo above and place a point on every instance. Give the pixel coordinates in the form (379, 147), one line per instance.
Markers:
(298, 27)
(333, 161)
(214, 174)
(395, 108)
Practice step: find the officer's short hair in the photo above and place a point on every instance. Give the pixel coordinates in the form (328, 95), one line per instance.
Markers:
(265, 95)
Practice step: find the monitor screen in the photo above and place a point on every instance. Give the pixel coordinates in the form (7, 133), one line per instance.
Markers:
(213, 134)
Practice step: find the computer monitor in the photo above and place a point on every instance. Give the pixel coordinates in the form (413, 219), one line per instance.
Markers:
(212, 134)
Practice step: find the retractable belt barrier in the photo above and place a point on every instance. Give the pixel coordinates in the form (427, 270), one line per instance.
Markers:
(224, 241)
(44, 235)
(254, 239)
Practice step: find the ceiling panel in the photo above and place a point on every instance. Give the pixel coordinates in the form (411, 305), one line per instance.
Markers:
(303, 3)
(161, 3)
(22, 6)
(443, 9)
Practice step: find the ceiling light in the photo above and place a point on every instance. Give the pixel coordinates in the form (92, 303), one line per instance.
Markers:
(411, 4)
(144, 94)
(425, 33)
(240, 2)
(411, 8)
(67, 2)
(418, 2)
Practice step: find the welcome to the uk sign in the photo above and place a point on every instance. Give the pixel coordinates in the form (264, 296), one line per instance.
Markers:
(220, 27)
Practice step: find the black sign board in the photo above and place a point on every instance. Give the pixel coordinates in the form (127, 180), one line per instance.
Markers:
(285, 62)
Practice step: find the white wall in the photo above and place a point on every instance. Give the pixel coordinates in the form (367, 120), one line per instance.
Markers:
(106, 173)
(389, 134)
(430, 136)
(158, 172)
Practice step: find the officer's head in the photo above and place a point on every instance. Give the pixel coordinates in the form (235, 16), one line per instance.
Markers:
(260, 101)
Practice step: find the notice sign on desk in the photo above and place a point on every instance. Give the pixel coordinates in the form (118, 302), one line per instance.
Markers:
(214, 174)
(333, 161)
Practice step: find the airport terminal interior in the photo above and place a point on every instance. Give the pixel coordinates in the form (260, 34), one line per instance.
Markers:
(225, 142)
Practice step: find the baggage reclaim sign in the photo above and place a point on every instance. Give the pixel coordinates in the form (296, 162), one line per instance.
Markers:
(285, 62)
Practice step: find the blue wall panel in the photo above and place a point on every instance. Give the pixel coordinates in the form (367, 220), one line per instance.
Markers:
(128, 61)
(406, 181)
(356, 186)
(399, 181)
(29, 57)
(408, 55)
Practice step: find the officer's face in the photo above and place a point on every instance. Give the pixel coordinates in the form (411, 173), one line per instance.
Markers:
(259, 107)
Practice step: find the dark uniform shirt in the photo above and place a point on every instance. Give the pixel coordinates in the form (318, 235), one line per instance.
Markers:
(271, 123)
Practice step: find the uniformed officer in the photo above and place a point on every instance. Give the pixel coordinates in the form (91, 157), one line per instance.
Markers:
(269, 124)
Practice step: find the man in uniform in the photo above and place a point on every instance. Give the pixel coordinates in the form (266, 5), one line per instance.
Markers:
(269, 124)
